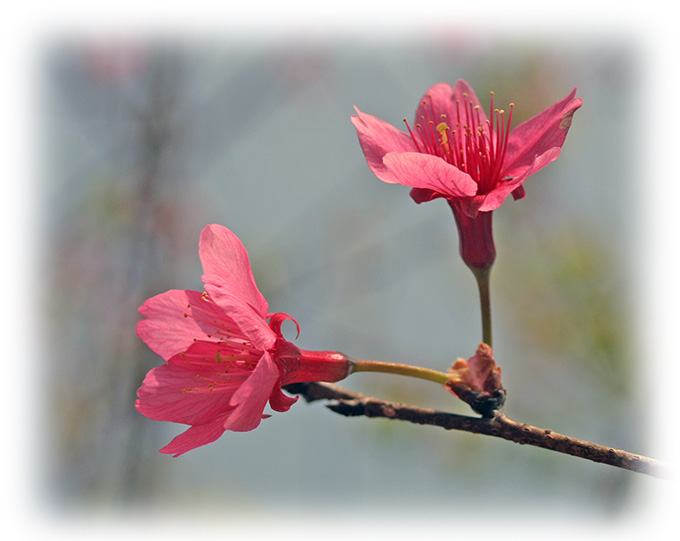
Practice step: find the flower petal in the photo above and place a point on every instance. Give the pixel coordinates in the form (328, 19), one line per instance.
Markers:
(175, 318)
(429, 172)
(276, 320)
(195, 436)
(423, 195)
(248, 320)
(377, 138)
(252, 396)
(464, 94)
(539, 136)
(222, 254)
(279, 401)
(439, 99)
(503, 189)
(172, 393)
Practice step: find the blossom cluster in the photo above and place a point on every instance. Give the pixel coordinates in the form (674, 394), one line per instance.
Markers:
(225, 356)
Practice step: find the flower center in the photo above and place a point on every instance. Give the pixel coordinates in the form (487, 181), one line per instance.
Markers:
(473, 144)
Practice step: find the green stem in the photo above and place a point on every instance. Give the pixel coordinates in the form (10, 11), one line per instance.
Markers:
(482, 276)
(361, 365)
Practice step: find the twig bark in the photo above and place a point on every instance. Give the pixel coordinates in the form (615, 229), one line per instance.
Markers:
(353, 404)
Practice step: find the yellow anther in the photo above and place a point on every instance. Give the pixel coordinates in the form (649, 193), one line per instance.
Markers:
(442, 128)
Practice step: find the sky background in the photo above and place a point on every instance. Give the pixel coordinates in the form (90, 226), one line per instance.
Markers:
(144, 141)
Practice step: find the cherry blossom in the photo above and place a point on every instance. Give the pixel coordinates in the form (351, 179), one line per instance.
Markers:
(225, 355)
(454, 151)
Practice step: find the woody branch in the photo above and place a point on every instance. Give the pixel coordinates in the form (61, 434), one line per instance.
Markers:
(351, 404)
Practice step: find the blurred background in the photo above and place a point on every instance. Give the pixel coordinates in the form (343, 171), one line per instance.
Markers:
(145, 141)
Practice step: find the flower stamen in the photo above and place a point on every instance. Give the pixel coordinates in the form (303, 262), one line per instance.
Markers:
(415, 142)
(476, 146)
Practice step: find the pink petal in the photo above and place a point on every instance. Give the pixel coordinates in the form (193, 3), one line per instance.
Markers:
(377, 138)
(170, 393)
(464, 93)
(503, 189)
(196, 436)
(222, 254)
(539, 136)
(276, 320)
(438, 99)
(497, 196)
(429, 172)
(252, 396)
(249, 321)
(280, 401)
(423, 195)
(175, 318)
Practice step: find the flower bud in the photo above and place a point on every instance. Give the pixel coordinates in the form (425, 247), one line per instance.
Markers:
(477, 381)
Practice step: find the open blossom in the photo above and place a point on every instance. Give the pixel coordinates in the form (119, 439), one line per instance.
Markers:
(225, 355)
(453, 150)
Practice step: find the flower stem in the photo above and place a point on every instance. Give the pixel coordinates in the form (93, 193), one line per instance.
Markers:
(361, 365)
(482, 276)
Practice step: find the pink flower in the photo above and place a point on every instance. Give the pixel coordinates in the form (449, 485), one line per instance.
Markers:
(454, 151)
(225, 354)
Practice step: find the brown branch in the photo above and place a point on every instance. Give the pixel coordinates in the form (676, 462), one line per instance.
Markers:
(353, 404)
